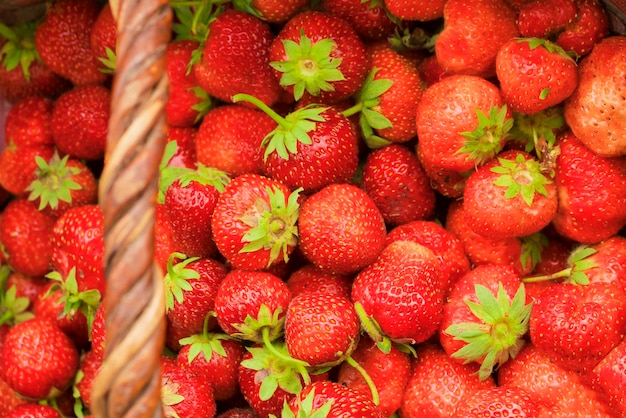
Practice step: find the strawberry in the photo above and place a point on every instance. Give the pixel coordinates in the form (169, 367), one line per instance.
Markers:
(185, 153)
(28, 123)
(609, 375)
(461, 123)
(18, 166)
(90, 364)
(368, 18)
(576, 326)
(311, 147)
(311, 278)
(422, 11)
(34, 411)
(341, 229)
(63, 41)
(332, 400)
(9, 399)
(272, 11)
(321, 330)
(62, 183)
(472, 34)
(223, 73)
(594, 118)
(485, 317)
(608, 262)
(80, 120)
(103, 39)
(184, 394)
(215, 358)
(251, 305)
(227, 144)
(51, 372)
(437, 383)
(163, 243)
(395, 180)
(97, 335)
(577, 217)
(399, 296)
(388, 371)
(535, 74)
(591, 26)
(25, 286)
(430, 71)
(318, 57)
(545, 19)
(26, 234)
(447, 246)
(254, 222)
(498, 402)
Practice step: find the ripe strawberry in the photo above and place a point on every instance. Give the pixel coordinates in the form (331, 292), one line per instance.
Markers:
(215, 358)
(28, 123)
(251, 305)
(461, 124)
(26, 234)
(222, 72)
(184, 394)
(103, 38)
(227, 144)
(430, 71)
(80, 120)
(310, 148)
(34, 410)
(485, 317)
(18, 165)
(447, 246)
(399, 296)
(46, 375)
(254, 222)
(593, 117)
(272, 11)
(185, 153)
(368, 18)
(78, 243)
(422, 11)
(389, 373)
(577, 325)
(90, 364)
(546, 19)
(498, 402)
(311, 278)
(341, 229)
(63, 41)
(9, 399)
(472, 34)
(319, 58)
(163, 243)
(591, 26)
(395, 180)
(332, 400)
(577, 217)
(437, 383)
(609, 376)
(321, 330)
(97, 335)
(608, 263)
(535, 74)
(26, 286)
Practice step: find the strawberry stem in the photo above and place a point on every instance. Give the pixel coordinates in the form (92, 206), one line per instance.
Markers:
(299, 365)
(242, 97)
(370, 383)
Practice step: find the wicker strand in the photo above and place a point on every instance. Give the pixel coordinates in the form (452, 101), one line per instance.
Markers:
(129, 382)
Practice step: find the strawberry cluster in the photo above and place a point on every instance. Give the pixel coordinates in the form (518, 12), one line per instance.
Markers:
(411, 209)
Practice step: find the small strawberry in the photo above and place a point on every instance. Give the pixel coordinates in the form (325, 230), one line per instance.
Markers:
(368, 18)
(545, 19)
(341, 229)
(590, 27)
(90, 365)
(28, 123)
(33, 410)
(498, 402)
(63, 41)
(103, 39)
(184, 394)
(97, 335)
(25, 286)
(51, 371)
(311, 278)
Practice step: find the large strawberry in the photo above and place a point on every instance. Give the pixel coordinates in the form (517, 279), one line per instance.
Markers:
(255, 222)
(596, 118)
(185, 394)
(318, 57)
(341, 229)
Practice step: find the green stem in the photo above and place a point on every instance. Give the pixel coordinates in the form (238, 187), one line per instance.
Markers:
(298, 364)
(563, 274)
(370, 383)
(353, 110)
(265, 108)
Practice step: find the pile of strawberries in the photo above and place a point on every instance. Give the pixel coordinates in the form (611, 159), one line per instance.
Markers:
(366, 209)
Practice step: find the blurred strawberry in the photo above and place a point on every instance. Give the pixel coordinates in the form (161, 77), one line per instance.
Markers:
(369, 18)
(184, 394)
(34, 411)
(103, 39)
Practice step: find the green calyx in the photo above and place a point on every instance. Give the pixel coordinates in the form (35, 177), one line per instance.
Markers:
(274, 226)
(54, 182)
(266, 327)
(176, 280)
(205, 344)
(309, 66)
(538, 130)
(551, 47)
(170, 398)
(521, 177)
(578, 263)
(306, 409)
(532, 246)
(367, 103)
(489, 136)
(204, 105)
(499, 334)
(13, 309)
(19, 50)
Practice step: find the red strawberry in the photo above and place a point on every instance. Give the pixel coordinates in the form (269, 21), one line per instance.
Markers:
(321, 330)
(28, 123)
(498, 402)
(389, 373)
(437, 384)
(422, 11)
(63, 41)
(185, 153)
(18, 166)
(26, 234)
(254, 222)
(272, 11)
(33, 410)
(485, 317)
(163, 243)
(9, 399)
(98, 333)
(473, 33)
(46, 375)
(26, 286)
(103, 39)
(223, 73)
(535, 74)
(184, 394)
(395, 180)
(594, 117)
(80, 120)
(368, 18)
(577, 325)
(227, 144)
(430, 70)
(215, 358)
(399, 296)
(591, 26)
(318, 57)
(90, 364)
(608, 263)
(609, 377)
(341, 229)
(311, 278)
(251, 305)
(545, 19)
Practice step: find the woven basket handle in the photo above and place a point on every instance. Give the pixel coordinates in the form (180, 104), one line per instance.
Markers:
(129, 382)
